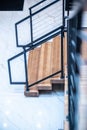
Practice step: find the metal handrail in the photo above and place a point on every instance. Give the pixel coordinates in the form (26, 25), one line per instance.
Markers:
(31, 28)
(39, 81)
(22, 53)
(44, 7)
(37, 4)
(35, 43)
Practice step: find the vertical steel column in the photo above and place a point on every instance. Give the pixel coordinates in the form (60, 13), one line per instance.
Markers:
(26, 74)
(9, 70)
(16, 34)
(63, 16)
(31, 27)
(62, 69)
(68, 46)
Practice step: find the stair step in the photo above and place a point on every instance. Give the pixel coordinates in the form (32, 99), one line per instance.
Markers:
(56, 55)
(31, 93)
(44, 87)
(57, 81)
(44, 62)
(41, 62)
(33, 62)
(44, 66)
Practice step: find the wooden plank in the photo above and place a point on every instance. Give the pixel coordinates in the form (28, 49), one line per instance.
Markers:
(33, 63)
(30, 59)
(47, 61)
(44, 86)
(57, 81)
(56, 55)
(31, 93)
(41, 62)
(45, 66)
(84, 50)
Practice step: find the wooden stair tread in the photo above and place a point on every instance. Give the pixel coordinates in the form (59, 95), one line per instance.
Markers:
(33, 62)
(45, 66)
(31, 93)
(44, 87)
(56, 55)
(57, 81)
(44, 62)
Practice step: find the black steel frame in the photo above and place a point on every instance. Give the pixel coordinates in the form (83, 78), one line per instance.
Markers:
(39, 41)
(31, 28)
(74, 52)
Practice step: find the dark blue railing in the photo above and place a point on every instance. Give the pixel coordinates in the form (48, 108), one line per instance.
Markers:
(74, 62)
(38, 41)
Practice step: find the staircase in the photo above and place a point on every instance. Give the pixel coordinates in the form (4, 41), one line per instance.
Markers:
(46, 60)
(42, 62)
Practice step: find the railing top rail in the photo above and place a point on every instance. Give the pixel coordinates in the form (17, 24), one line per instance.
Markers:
(37, 4)
(37, 11)
(48, 35)
(22, 20)
(45, 7)
(27, 48)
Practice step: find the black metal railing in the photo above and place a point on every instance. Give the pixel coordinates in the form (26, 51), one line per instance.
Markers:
(34, 41)
(39, 25)
(74, 62)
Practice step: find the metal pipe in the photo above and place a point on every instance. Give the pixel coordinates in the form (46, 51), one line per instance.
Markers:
(31, 27)
(9, 70)
(37, 4)
(62, 73)
(63, 13)
(59, 28)
(45, 7)
(16, 34)
(44, 78)
(26, 74)
(58, 31)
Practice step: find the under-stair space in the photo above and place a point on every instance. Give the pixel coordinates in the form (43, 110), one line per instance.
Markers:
(44, 61)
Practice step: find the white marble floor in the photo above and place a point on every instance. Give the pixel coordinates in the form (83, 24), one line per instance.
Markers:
(20, 113)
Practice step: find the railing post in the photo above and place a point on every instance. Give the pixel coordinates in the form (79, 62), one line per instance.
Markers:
(62, 69)
(26, 74)
(31, 27)
(9, 70)
(63, 13)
